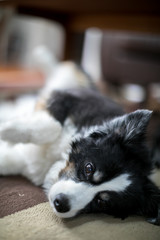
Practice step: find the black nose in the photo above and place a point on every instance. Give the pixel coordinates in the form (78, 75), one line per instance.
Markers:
(61, 203)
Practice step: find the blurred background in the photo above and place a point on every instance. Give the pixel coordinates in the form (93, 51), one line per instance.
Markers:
(117, 42)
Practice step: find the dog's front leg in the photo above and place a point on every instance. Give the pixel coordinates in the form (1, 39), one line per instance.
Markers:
(38, 128)
(155, 221)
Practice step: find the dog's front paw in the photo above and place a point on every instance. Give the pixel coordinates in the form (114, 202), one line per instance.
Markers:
(156, 220)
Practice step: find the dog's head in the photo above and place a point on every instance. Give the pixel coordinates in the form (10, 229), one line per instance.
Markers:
(106, 169)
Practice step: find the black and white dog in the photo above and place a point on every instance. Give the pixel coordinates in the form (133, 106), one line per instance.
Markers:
(89, 155)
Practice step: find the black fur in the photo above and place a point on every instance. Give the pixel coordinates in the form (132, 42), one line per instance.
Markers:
(155, 154)
(113, 148)
(85, 107)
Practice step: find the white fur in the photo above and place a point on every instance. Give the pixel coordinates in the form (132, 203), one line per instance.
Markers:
(81, 193)
(52, 175)
(66, 75)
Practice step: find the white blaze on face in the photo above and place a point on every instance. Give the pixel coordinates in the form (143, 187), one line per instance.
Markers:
(80, 194)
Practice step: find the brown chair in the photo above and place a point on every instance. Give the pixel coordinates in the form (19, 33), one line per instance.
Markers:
(131, 57)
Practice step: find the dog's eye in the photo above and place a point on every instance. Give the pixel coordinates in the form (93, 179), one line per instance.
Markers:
(89, 169)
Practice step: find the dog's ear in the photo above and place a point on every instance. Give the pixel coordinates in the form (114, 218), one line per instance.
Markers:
(132, 127)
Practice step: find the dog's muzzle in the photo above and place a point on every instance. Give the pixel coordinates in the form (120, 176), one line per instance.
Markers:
(68, 197)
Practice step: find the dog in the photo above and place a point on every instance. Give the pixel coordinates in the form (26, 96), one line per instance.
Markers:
(86, 152)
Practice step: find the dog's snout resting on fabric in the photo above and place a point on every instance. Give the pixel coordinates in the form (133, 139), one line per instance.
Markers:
(87, 153)
(61, 203)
